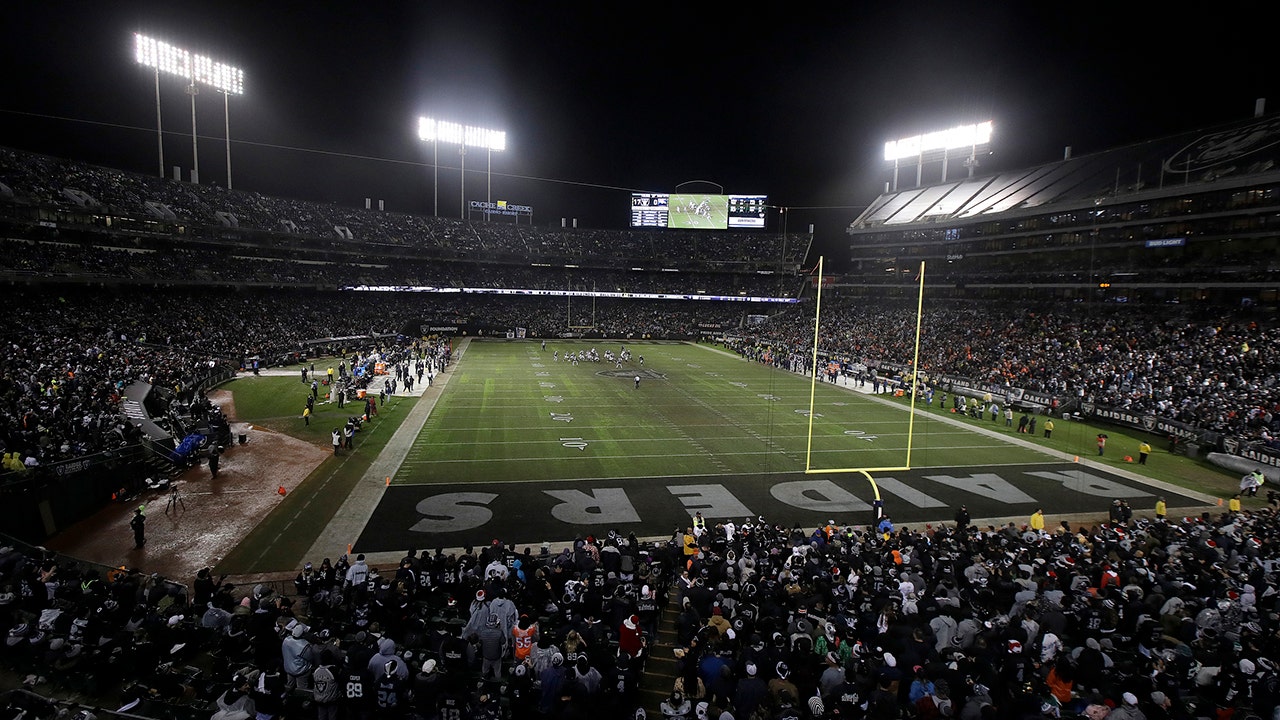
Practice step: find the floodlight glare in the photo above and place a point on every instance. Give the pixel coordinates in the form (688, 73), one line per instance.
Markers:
(964, 136)
(431, 130)
(167, 59)
(196, 68)
(438, 131)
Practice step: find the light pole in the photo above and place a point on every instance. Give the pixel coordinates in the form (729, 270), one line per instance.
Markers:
(192, 90)
(196, 70)
(437, 131)
(159, 132)
(226, 118)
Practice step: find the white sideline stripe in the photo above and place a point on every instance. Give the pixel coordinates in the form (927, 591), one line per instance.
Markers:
(633, 456)
(580, 428)
(579, 423)
(596, 478)
(351, 519)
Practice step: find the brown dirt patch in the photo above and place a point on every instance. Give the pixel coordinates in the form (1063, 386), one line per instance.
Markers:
(212, 515)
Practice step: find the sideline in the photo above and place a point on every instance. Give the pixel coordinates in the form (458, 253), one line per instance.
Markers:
(1208, 500)
(356, 511)
(1059, 454)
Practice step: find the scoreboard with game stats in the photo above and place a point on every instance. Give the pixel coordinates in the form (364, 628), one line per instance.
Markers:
(649, 209)
(747, 211)
(716, 212)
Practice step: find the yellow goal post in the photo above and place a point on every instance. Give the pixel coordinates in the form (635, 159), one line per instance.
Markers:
(813, 385)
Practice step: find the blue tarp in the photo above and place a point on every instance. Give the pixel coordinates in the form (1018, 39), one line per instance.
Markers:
(189, 445)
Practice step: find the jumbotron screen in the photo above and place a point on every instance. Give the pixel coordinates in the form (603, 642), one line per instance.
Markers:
(698, 211)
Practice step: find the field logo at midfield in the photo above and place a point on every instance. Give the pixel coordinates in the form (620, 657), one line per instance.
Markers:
(562, 417)
(631, 374)
(575, 442)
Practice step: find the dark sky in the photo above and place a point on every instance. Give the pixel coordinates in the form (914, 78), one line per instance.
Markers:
(790, 100)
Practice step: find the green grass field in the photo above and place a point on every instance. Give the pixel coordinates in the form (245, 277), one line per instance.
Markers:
(511, 413)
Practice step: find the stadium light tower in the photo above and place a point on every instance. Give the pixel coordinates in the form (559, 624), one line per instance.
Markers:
(941, 143)
(168, 59)
(464, 136)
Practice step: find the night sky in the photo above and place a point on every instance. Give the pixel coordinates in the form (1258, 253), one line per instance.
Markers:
(599, 99)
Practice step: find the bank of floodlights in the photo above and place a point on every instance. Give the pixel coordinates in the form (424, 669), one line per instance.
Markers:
(430, 130)
(464, 136)
(196, 70)
(941, 143)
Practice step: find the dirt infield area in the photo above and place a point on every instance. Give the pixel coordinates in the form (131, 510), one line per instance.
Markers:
(208, 517)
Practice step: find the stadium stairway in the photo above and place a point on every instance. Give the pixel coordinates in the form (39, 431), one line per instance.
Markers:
(660, 670)
(161, 470)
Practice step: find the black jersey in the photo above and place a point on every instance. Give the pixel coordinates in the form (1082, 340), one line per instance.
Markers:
(389, 694)
(356, 689)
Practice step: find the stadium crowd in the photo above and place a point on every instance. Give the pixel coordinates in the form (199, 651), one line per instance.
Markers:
(46, 260)
(1217, 375)
(1220, 373)
(1131, 619)
(68, 188)
(70, 356)
(72, 353)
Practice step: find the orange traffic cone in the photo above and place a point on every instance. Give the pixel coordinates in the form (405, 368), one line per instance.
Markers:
(1077, 459)
(388, 481)
(1219, 502)
(281, 491)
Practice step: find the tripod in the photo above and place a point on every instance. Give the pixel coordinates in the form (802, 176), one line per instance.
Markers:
(175, 501)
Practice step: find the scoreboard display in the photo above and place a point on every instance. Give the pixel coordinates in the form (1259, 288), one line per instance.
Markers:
(747, 211)
(649, 209)
(706, 212)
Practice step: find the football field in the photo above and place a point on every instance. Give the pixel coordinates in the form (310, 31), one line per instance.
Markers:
(526, 446)
(512, 412)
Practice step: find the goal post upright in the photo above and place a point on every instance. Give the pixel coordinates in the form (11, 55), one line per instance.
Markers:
(813, 379)
(915, 366)
(813, 382)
